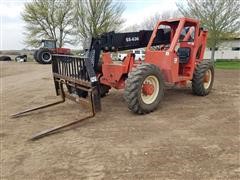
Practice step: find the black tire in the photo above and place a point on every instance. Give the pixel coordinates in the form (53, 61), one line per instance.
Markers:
(5, 58)
(78, 92)
(133, 93)
(82, 93)
(25, 59)
(201, 74)
(35, 56)
(44, 56)
(18, 58)
(104, 90)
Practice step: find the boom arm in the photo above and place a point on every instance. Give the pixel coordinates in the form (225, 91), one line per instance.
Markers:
(112, 42)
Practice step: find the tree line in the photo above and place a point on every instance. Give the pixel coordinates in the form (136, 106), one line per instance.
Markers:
(73, 21)
(70, 21)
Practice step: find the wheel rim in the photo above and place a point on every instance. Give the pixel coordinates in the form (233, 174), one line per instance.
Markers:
(207, 79)
(46, 56)
(150, 89)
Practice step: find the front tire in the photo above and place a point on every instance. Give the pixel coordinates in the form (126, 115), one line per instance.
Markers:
(203, 78)
(104, 90)
(79, 92)
(144, 88)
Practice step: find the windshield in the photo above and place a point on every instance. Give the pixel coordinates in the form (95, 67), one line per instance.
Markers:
(49, 44)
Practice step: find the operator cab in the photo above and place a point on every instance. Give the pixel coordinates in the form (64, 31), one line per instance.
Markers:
(49, 44)
(187, 35)
(177, 57)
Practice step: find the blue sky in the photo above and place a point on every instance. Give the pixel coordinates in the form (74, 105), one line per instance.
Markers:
(12, 26)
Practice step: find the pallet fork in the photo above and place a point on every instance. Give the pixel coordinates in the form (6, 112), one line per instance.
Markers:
(75, 73)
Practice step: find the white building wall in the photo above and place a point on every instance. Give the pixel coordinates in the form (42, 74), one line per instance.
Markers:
(223, 54)
(225, 50)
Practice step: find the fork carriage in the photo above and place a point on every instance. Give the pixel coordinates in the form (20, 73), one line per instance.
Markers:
(81, 86)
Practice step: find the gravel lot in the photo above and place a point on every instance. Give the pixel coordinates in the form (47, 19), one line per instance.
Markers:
(187, 137)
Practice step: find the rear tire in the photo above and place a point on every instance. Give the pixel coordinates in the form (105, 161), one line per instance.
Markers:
(35, 56)
(203, 78)
(44, 56)
(142, 100)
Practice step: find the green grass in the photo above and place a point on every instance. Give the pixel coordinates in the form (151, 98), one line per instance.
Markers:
(227, 64)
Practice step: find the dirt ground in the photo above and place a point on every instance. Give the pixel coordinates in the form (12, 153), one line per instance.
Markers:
(187, 137)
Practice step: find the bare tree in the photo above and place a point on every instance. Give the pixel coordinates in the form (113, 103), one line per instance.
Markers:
(95, 17)
(132, 28)
(150, 22)
(220, 17)
(48, 19)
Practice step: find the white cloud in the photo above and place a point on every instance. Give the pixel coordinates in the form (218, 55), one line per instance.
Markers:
(12, 36)
(11, 9)
(150, 8)
(11, 27)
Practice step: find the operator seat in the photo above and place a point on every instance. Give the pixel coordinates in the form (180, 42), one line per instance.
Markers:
(184, 54)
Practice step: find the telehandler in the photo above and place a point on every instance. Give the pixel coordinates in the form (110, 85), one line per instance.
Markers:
(174, 55)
